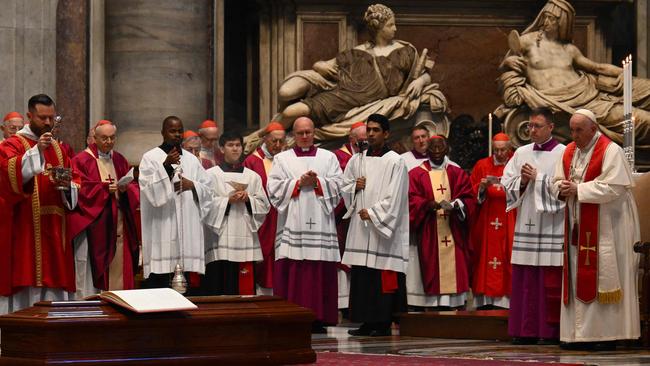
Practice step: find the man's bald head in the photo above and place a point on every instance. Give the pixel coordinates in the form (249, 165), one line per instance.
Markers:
(300, 121)
(303, 130)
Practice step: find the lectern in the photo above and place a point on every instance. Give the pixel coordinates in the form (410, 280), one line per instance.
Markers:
(224, 330)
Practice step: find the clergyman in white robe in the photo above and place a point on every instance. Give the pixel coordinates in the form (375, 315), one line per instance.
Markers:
(537, 243)
(232, 244)
(618, 229)
(306, 246)
(172, 231)
(380, 244)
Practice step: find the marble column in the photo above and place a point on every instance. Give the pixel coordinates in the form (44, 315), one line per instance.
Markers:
(157, 64)
(27, 51)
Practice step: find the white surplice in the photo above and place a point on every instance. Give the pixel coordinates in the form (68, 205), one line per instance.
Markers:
(163, 234)
(383, 241)
(232, 229)
(618, 230)
(539, 230)
(411, 161)
(306, 228)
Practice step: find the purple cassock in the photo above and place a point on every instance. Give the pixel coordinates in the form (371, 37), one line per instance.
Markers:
(536, 293)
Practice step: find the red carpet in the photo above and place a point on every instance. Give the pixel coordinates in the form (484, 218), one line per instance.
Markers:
(334, 358)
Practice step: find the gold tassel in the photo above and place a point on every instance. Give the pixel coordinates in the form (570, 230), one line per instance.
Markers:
(611, 297)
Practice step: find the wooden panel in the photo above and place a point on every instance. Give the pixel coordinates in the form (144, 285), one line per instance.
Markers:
(480, 324)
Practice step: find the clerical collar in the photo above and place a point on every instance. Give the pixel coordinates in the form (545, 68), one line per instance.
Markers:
(166, 147)
(384, 149)
(266, 152)
(305, 151)
(232, 168)
(549, 145)
(497, 163)
(442, 165)
(105, 156)
(26, 131)
(417, 155)
(591, 143)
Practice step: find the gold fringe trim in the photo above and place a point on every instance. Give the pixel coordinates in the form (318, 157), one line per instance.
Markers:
(611, 297)
(12, 175)
(36, 217)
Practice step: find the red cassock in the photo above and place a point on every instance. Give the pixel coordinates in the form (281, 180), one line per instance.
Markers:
(491, 236)
(343, 155)
(40, 250)
(97, 214)
(424, 222)
(266, 233)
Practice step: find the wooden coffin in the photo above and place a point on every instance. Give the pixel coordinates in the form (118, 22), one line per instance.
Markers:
(255, 330)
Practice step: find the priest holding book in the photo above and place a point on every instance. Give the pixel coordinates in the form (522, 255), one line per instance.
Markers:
(103, 227)
(239, 208)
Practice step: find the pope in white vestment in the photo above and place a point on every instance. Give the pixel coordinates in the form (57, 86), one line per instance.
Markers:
(598, 174)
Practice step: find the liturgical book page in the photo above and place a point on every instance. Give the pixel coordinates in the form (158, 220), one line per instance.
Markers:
(149, 300)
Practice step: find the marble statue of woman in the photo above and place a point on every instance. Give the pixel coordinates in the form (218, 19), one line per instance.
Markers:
(544, 68)
(383, 75)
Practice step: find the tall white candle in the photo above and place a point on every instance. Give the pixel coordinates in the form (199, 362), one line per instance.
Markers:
(489, 134)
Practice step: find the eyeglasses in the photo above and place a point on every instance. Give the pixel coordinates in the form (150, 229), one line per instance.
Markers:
(536, 126)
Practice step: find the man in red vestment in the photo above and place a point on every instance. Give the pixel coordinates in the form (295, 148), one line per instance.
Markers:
(357, 133)
(12, 122)
(260, 161)
(103, 227)
(192, 143)
(38, 195)
(491, 235)
(210, 154)
(441, 206)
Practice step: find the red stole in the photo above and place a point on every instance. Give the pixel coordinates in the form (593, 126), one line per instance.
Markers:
(587, 261)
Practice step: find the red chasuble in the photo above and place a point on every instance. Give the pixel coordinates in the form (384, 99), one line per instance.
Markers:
(264, 270)
(443, 258)
(40, 249)
(343, 155)
(587, 261)
(491, 235)
(97, 214)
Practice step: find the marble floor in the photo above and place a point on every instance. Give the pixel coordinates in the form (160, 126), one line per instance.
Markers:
(337, 340)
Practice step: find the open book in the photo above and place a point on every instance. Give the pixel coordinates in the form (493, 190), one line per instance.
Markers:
(148, 300)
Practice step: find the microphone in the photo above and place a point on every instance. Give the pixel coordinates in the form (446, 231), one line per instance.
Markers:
(362, 145)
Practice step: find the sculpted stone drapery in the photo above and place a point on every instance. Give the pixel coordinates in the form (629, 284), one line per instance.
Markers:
(384, 76)
(543, 68)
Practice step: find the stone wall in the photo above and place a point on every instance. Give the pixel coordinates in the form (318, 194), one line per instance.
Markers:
(158, 63)
(27, 52)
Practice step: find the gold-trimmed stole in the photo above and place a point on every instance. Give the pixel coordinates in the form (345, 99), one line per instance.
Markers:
(446, 245)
